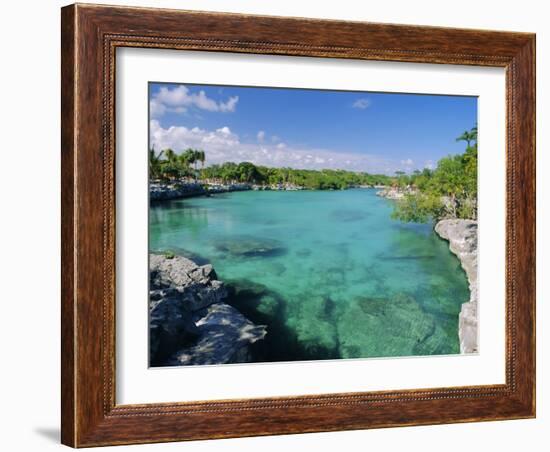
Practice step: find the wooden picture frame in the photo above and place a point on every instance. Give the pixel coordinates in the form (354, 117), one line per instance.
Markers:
(90, 35)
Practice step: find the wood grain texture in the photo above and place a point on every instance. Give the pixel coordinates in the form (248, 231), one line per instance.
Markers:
(90, 36)
(67, 226)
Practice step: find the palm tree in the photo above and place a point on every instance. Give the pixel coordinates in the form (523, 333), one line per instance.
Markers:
(170, 155)
(171, 167)
(183, 160)
(469, 136)
(155, 163)
(201, 158)
(188, 157)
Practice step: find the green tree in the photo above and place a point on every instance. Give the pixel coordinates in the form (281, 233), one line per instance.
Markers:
(418, 208)
(247, 172)
(170, 155)
(155, 163)
(201, 157)
(190, 157)
(450, 191)
(468, 136)
(169, 166)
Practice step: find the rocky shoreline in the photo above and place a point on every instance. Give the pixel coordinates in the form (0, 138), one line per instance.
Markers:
(177, 190)
(462, 238)
(166, 191)
(394, 193)
(189, 322)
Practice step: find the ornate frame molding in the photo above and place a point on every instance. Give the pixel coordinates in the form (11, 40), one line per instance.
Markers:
(90, 37)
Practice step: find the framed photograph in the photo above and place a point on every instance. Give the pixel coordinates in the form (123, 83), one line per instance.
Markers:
(281, 225)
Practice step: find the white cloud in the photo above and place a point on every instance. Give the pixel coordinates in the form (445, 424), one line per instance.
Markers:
(362, 103)
(260, 136)
(179, 138)
(407, 162)
(156, 108)
(223, 145)
(429, 164)
(224, 130)
(180, 98)
(230, 105)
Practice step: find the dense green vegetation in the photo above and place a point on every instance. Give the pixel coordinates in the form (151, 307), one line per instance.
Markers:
(311, 179)
(168, 165)
(449, 191)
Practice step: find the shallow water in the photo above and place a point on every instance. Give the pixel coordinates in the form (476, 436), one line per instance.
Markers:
(329, 272)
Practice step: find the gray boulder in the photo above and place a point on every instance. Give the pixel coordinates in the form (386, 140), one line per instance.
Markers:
(225, 337)
(188, 318)
(194, 285)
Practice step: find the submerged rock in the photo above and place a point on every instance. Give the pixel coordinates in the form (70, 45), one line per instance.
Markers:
(406, 328)
(316, 330)
(255, 300)
(462, 237)
(251, 247)
(348, 215)
(188, 317)
(303, 252)
(173, 251)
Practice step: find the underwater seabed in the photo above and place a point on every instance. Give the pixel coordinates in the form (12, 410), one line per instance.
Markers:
(329, 272)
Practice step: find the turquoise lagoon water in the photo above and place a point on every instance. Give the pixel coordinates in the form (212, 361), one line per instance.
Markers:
(329, 272)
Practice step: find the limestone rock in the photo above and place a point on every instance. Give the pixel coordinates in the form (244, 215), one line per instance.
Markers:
(395, 193)
(189, 323)
(225, 337)
(462, 237)
(195, 285)
(164, 191)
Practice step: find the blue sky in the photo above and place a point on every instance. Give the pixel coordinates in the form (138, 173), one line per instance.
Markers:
(358, 131)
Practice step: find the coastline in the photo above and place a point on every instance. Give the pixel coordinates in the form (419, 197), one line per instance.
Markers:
(167, 191)
(462, 238)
